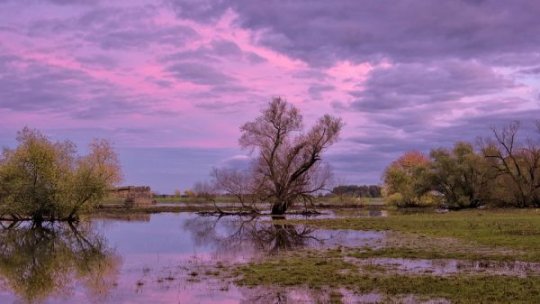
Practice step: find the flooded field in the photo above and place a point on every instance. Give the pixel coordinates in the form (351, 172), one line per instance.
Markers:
(159, 258)
(188, 258)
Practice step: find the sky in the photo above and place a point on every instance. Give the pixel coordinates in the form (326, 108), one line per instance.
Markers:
(169, 83)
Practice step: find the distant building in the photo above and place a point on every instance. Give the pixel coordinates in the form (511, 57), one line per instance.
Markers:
(132, 195)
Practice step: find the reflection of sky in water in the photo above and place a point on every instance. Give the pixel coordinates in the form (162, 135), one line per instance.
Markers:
(163, 259)
(159, 252)
(174, 244)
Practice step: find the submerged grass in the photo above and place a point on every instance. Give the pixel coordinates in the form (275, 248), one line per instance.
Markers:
(467, 235)
(518, 230)
(320, 271)
(432, 253)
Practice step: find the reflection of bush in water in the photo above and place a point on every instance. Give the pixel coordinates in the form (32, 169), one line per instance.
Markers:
(237, 234)
(41, 261)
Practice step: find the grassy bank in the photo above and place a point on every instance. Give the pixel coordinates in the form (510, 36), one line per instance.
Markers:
(509, 235)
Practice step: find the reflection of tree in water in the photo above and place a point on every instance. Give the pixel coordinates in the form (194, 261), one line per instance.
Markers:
(37, 262)
(242, 234)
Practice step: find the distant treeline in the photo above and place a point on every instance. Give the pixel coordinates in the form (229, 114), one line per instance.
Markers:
(502, 170)
(358, 191)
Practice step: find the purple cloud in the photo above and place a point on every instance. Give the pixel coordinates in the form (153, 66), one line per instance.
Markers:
(323, 32)
(406, 85)
(174, 80)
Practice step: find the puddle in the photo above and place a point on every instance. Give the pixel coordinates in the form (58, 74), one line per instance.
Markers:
(446, 267)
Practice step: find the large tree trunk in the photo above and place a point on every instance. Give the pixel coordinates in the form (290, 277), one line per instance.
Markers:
(279, 208)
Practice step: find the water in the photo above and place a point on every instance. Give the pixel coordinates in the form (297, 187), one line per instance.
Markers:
(448, 267)
(160, 258)
(185, 258)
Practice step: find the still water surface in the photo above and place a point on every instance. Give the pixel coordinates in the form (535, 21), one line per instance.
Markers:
(159, 258)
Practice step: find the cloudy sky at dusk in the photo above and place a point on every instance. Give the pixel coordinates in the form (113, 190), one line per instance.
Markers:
(170, 82)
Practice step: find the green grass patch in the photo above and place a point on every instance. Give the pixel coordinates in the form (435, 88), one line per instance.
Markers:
(511, 229)
(320, 271)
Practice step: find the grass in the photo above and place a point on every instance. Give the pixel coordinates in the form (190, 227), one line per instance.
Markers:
(321, 271)
(468, 235)
(517, 230)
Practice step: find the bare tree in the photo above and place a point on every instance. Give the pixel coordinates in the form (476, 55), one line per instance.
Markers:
(517, 166)
(288, 166)
(240, 184)
(205, 190)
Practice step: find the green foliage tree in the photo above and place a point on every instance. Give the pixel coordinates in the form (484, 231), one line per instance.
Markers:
(461, 175)
(406, 181)
(45, 180)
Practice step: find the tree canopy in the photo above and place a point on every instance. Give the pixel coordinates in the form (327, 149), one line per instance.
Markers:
(45, 180)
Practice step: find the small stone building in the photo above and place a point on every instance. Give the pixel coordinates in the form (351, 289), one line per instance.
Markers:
(133, 195)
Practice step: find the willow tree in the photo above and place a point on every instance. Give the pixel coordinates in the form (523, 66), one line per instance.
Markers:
(288, 165)
(46, 180)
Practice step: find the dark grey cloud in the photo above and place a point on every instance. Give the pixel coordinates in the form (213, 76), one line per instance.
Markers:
(199, 73)
(322, 32)
(98, 60)
(254, 58)
(115, 28)
(315, 90)
(313, 73)
(226, 48)
(532, 71)
(201, 10)
(74, 2)
(201, 66)
(514, 59)
(222, 107)
(198, 55)
(48, 89)
(136, 37)
(216, 51)
(59, 2)
(160, 82)
(415, 84)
